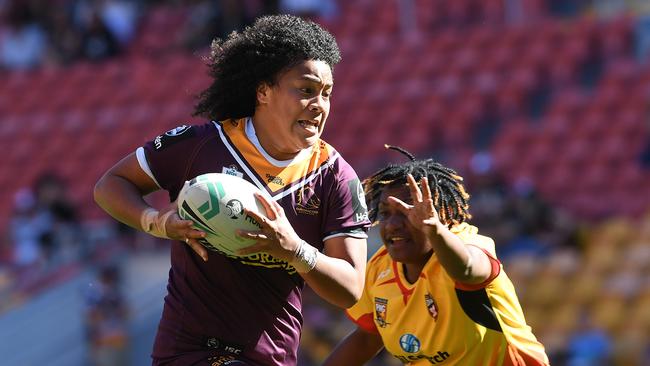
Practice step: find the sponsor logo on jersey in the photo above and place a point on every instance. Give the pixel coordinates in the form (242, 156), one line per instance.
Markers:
(220, 360)
(225, 361)
(232, 170)
(440, 357)
(157, 142)
(431, 306)
(172, 136)
(307, 202)
(381, 310)
(409, 343)
(266, 260)
(274, 179)
(177, 131)
(383, 274)
(258, 259)
(358, 201)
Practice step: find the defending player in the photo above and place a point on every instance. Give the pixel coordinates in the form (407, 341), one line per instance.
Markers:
(436, 293)
(271, 94)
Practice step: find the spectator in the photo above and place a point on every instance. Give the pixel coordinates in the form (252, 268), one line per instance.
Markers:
(22, 40)
(589, 345)
(107, 321)
(309, 8)
(120, 18)
(98, 42)
(65, 40)
(61, 239)
(25, 229)
(200, 25)
(207, 19)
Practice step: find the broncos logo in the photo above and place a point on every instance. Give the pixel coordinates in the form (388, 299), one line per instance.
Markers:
(234, 209)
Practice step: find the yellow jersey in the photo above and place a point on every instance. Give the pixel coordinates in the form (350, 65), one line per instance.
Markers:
(437, 321)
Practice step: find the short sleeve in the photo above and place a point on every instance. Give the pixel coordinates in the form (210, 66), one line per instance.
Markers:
(362, 313)
(347, 212)
(469, 235)
(168, 156)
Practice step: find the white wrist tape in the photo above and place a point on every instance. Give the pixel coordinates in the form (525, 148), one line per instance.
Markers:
(154, 224)
(305, 258)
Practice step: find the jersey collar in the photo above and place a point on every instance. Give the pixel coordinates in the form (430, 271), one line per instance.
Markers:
(252, 136)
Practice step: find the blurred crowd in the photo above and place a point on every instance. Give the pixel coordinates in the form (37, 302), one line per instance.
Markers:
(40, 32)
(106, 319)
(45, 234)
(45, 227)
(36, 33)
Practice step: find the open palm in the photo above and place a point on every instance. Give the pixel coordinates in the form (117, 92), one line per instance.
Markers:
(422, 213)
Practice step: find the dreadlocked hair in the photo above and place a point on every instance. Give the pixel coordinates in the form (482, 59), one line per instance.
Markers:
(449, 196)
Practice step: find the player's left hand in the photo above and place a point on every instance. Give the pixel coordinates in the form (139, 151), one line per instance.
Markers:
(277, 237)
(422, 213)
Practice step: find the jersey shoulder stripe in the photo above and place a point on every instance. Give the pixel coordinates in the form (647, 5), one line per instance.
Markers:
(278, 181)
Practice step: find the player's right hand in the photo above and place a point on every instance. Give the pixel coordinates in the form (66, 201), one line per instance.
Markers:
(177, 228)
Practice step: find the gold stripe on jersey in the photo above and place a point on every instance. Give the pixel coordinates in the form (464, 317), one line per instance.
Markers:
(275, 179)
(434, 321)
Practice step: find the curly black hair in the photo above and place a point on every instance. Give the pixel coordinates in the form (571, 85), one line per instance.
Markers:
(256, 55)
(449, 196)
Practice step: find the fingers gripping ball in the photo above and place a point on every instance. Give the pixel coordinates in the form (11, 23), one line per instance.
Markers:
(216, 202)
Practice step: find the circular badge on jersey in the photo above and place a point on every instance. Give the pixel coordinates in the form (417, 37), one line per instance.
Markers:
(177, 131)
(409, 343)
(361, 196)
(359, 205)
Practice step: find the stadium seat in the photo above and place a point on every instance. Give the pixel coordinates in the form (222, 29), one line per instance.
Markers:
(154, 36)
(591, 125)
(562, 72)
(457, 132)
(577, 47)
(386, 18)
(629, 122)
(492, 12)
(567, 103)
(608, 312)
(511, 101)
(615, 38)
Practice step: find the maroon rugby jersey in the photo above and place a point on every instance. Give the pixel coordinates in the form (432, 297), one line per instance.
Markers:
(250, 306)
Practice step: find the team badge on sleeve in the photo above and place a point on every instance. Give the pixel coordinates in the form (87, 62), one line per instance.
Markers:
(177, 131)
(358, 201)
(173, 136)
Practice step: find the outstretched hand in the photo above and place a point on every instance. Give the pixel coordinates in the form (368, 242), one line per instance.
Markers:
(276, 237)
(422, 213)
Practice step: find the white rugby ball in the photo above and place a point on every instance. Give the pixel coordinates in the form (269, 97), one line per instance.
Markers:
(216, 202)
